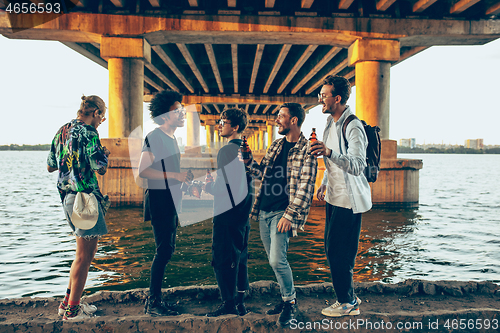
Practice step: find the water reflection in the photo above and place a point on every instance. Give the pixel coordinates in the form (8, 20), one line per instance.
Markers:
(125, 254)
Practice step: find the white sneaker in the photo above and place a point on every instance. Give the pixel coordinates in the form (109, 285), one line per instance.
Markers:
(345, 309)
(87, 308)
(79, 316)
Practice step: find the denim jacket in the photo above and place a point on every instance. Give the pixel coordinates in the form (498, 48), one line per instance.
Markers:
(352, 162)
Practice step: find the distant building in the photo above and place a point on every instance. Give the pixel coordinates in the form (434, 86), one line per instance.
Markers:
(412, 143)
(474, 143)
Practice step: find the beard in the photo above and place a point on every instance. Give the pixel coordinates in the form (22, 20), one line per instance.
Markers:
(284, 131)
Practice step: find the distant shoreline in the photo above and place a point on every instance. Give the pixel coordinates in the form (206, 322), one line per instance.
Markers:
(460, 150)
(14, 147)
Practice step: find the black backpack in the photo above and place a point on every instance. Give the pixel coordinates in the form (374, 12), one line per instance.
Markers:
(372, 150)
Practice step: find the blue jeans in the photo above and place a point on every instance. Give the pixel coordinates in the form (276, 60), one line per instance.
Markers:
(276, 245)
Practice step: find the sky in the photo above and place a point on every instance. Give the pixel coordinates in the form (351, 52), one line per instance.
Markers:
(445, 94)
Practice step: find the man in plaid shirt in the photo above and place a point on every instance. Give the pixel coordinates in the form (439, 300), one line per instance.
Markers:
(288, 174)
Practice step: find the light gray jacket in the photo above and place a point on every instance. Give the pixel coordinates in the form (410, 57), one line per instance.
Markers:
(352, 161)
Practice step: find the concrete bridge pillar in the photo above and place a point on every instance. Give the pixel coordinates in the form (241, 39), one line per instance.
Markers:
(271, 135)
(210, 129)
(261, 139)
(126, 58)
(398, 181)
(193, 125)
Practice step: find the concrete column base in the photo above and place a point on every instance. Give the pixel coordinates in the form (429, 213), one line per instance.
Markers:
(397, 185)
(119, 182)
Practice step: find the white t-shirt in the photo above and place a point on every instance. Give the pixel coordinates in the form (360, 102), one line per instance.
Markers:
(336, 193)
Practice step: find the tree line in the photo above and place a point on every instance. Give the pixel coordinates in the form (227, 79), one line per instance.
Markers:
(24, 147)
(458, 150)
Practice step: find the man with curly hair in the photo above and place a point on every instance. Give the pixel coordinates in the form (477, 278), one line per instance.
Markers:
(160, 165)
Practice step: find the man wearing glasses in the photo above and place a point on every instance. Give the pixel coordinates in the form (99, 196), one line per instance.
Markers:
(288, 174)
(231, 227)
(160, 164)
(347, 191)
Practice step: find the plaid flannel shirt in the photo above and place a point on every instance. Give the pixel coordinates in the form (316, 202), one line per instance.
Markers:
(301, 177)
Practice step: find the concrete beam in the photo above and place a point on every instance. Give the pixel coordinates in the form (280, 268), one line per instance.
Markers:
(422, 5)
(462, 5)
(269, 3)
(373, 50)
(307, 53)
(211, 117)
(160, 75)
(192, 64)
(213, 62)
(245, 29)
(234, 58)
(118, 47)
(167, 59)
(193, 3)
(306, 4)
(326, 59)
(246, 99)
(343, 64)
(383, 5)
(345, 4)
(89, 51)
(277, 65)
(256, 65)
(494, 9)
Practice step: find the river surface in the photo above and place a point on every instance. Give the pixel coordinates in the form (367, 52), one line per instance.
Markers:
(453, 235)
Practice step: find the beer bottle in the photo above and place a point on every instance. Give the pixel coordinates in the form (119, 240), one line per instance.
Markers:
(313, 137)
(208, 177)
(246, 153)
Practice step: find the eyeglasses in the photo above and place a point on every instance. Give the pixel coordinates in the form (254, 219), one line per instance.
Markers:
(101, 115)
(181, 110)
(223, 122)
(322, 97)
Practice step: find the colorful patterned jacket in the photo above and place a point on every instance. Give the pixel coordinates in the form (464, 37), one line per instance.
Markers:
(301, 177)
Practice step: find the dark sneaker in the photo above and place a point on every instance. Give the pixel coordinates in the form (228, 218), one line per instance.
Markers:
(157, 308)
(277, 309)
(288, 313)
(241, 308)
(224, 309)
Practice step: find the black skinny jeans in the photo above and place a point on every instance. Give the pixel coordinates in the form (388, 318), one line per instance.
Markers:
(164, 220)
(342, 230)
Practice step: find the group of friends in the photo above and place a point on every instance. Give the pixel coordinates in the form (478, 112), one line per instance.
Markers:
(280, 203)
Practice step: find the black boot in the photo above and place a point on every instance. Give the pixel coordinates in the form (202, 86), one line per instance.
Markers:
(288, 313)
(155, 307)
(241, 308)
(278, 308)
(225, 308)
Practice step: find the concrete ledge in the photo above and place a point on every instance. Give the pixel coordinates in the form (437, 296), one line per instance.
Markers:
(411, 301)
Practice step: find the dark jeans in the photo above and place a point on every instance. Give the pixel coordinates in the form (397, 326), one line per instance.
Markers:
(230, 258)
(164, 221)
(342, 231)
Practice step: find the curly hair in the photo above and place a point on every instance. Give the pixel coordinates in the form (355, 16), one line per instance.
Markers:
(237, 117)
(296, 110)
(341, 86)
(161, 103)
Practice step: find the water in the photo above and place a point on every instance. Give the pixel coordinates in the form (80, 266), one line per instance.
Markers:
(453, 235)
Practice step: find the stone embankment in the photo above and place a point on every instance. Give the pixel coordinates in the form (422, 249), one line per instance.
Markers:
(409, 306)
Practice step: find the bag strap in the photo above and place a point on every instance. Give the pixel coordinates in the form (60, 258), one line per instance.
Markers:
(344, 127)
(227, 186)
